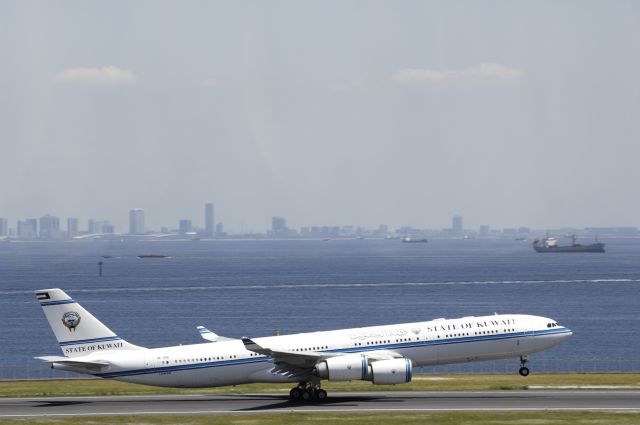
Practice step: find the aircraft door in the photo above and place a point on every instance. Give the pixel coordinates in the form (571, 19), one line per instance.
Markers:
(149, 361)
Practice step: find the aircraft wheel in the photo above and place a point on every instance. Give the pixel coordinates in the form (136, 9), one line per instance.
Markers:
(524, 371)
(321, 394)
(296, 393)
(306, 395)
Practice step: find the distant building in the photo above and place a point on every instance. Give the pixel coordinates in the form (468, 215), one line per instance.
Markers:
(72, 227)
(325, 231)
(348, 231)
(279, 227)
(107, 227)
(136, 221)
(483, 232)
(220, 229)
(509, 232)
(100, 226)
(209, 220)
(4, 227)
(49, 227)
(185, 226)
(27, 229)
(456, 225)
(382, 231)
(34, 223)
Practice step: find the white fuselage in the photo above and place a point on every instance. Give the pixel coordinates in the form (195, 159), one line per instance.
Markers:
(424, 343)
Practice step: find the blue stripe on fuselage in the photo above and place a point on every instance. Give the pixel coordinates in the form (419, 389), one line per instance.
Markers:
(182, 367)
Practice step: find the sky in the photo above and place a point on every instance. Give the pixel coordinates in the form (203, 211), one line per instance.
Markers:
(323, 112)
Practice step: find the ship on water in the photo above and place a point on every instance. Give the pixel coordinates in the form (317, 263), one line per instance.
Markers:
(549, 244)
(409, 239)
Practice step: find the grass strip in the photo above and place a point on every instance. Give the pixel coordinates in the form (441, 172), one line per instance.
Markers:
(542, 418)
(453, 382)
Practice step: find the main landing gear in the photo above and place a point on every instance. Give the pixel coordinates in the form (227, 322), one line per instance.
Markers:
(306, 391)
(523, 371)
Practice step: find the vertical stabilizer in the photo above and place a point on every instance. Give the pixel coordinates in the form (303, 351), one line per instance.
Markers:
(78, 332)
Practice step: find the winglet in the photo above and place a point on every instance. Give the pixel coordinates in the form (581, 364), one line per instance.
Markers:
(251, 345)
(206, 334)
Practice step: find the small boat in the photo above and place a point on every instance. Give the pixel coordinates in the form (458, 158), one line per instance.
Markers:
(409, 239)
(153, 255)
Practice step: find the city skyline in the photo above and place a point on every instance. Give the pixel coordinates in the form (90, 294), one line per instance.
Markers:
(48, 227)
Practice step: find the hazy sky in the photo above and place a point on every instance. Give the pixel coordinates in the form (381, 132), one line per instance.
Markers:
(346, 112)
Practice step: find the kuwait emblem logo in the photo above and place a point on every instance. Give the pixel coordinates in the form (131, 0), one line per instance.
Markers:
(71, 320)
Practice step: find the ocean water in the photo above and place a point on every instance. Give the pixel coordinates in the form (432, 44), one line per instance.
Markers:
(252, 287)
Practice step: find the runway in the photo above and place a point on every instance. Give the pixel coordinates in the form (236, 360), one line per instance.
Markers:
(492, 401)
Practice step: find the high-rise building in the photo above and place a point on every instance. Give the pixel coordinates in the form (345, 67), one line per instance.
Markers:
(93, 226)
(136, 221)
(100, 226)
(34, 224)
(27, 229)
(107, 227)
(4, 230)
(279, 226)
(72, 227)
(50, 227)
(185, 226)
(456, 226)
(209, 223)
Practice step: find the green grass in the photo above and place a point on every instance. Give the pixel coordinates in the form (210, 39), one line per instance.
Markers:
(98, 387)
(544, 418)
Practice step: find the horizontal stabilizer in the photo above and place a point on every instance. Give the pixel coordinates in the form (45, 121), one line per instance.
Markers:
(66, 361)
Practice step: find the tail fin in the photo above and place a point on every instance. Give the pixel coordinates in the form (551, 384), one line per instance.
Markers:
(77, 331)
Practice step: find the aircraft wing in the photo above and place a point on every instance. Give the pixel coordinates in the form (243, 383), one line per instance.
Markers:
(295, 364)
(288, 363)
(66, 361)
(293, 358)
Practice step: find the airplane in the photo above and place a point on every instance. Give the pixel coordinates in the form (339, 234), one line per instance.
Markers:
(384, 355)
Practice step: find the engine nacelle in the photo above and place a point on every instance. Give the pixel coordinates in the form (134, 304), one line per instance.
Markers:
(344, 368)
(391, 372)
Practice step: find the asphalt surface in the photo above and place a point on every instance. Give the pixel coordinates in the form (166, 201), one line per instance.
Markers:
(491, 401)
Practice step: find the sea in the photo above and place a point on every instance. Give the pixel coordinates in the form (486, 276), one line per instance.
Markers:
(258, 287)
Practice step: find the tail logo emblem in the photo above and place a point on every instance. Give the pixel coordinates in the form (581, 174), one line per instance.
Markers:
(71, 320)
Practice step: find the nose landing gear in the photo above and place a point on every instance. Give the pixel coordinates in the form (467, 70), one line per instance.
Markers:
(523, 371)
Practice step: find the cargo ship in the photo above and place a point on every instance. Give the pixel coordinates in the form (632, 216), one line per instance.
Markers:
(549, 244)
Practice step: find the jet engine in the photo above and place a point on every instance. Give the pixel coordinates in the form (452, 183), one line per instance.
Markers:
(391, 372)
(350, 367)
